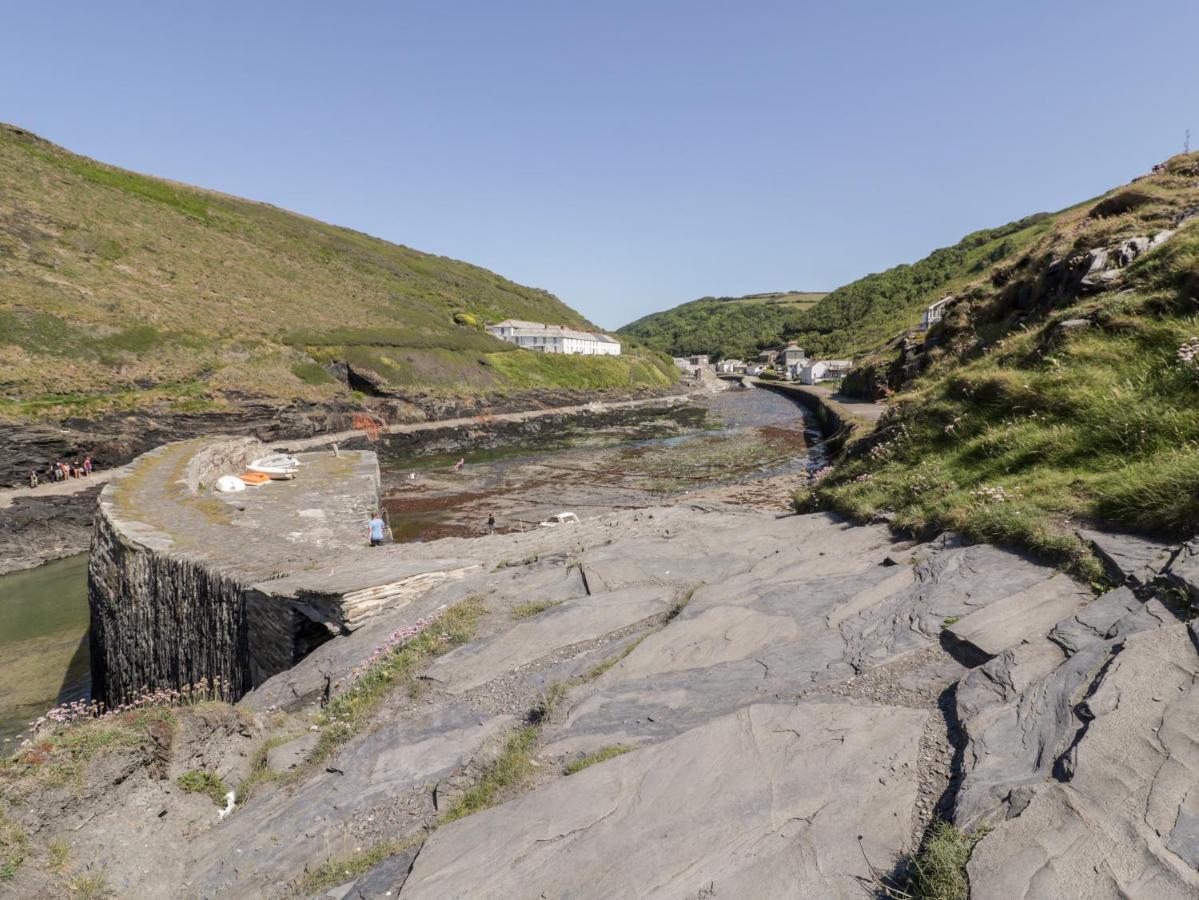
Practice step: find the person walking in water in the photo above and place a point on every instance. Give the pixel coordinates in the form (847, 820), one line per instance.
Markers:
(491, 523)
(376, 529)
(33, 479)
(87, 466)
(459, 464)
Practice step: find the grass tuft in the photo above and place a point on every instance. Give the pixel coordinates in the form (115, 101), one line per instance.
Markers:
(89, 887)
(339, 871)
(512, 769)
(600, 668)
(604, 753)
(347, 713)
(14, 845)
(939, 869)
(528, 610)
(554, 694)
(197, 781)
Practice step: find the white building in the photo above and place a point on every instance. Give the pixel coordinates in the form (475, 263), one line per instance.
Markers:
(730, 366)
(933, 314)
(812, 371)
(554, 338)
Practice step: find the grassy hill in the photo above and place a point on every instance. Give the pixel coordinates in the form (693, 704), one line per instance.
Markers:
(118, 290)
(850, 322)
(723, 326)
(1062, 387)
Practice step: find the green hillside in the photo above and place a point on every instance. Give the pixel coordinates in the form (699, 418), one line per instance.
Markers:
(849, 322)
(1062, 387)
(722, 326)
(118, 290)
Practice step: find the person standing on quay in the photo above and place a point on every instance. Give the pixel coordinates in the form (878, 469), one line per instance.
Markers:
(376, 530)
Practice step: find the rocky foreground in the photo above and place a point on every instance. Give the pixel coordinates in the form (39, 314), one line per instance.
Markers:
(773, 706)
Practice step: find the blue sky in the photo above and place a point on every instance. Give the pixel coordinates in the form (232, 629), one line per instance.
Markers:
(627, 156)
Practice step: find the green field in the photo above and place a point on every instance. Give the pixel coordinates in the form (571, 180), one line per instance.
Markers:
(119, 290)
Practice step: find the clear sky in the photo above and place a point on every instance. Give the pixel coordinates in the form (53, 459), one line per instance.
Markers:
(630, 155)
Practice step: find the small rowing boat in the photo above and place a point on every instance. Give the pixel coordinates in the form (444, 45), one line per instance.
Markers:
(278, 466)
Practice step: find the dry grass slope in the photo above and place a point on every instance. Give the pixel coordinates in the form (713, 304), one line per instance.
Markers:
(118, 290)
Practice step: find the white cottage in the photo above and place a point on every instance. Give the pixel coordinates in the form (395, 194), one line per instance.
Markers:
(933, 314)
(554, 338)
(813, 371)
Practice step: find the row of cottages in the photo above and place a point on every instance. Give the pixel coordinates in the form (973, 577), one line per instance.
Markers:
(545, 338)
(739, 367)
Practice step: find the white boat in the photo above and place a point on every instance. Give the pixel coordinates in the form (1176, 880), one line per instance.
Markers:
(562, 518)
(278, 466)
(281, 460)
(227, 484)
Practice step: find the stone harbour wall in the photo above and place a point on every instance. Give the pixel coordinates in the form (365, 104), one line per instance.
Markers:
(187, 584)
(160, 621)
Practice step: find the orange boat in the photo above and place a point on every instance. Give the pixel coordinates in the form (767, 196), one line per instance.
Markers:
(254, 477)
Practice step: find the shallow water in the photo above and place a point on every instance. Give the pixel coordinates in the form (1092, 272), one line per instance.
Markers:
(43, 641)
(733, 437)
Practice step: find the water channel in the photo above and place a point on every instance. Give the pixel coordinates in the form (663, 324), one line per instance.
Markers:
(729, 441)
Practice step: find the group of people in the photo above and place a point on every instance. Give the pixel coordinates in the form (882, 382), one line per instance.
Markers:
(61, 471)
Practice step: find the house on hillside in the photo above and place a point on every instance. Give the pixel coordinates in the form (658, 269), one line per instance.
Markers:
(767, 357)
(700, 359)
(933, 314)
(545, 338)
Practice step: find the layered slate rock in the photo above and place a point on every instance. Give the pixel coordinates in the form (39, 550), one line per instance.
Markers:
(765, 802)
(1022, 711)
(386, 774)
(1183, 570)
(1123, 823)
(1032, 612)
(571, 623)
(814, 614)
(1135, 560)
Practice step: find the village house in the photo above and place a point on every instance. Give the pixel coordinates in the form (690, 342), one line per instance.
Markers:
(554, 338)
(700, 359)
(933, 314)
(767, 357)
(792, 354)
(730, 367)
(812, 371)
(838, 368)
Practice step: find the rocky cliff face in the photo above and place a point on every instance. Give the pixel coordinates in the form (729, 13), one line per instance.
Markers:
(160, 621)
(163, 619)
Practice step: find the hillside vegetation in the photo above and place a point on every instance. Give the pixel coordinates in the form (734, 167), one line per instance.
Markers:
(118, 290)
(726, 327)
(850, 322)
(1062, 387)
